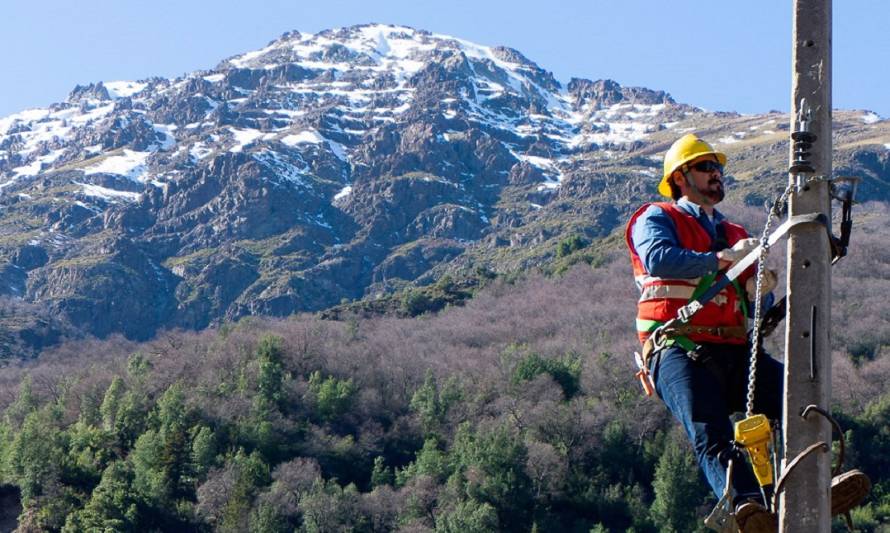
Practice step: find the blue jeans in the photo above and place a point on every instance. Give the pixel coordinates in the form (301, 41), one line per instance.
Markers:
(703, 394)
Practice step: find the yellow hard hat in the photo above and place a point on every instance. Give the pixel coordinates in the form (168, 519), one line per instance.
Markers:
(684, 150)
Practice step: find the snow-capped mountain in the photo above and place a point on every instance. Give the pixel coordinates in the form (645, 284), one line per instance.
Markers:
(325, 167)
(331, 90)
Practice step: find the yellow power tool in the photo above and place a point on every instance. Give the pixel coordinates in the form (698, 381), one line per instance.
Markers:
(754, 433)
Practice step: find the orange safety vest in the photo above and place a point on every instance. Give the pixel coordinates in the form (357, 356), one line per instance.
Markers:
(661, 298)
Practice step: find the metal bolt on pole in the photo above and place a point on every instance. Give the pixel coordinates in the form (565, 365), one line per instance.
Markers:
(805, 503)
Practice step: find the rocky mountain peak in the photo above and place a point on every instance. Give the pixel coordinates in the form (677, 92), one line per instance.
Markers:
(607, 93)
(92, 91)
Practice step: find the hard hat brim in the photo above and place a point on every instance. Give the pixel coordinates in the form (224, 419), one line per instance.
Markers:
(664, 187)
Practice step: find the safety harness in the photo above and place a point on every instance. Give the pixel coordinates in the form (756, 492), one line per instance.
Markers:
(673, 331)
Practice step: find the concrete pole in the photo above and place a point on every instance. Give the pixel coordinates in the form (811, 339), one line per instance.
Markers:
(805, 503)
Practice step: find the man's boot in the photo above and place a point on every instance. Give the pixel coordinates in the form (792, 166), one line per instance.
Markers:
(848, 490)
(752, 517)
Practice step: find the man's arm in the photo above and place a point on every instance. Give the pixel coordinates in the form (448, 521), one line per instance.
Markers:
(655, 240)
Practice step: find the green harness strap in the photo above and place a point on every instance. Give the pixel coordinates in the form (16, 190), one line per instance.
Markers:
(705, 284)
(651, 325)
(683, 341)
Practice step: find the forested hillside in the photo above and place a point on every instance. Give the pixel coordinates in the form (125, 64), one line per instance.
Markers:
(515, 412)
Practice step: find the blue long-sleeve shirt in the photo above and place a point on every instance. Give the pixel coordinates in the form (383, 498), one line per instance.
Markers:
(656, 242)
(658, 246)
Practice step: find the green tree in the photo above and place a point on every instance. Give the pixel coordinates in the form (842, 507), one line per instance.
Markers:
(266, 519)
(492, 463)
(123, 413)
(162, 457)
(569, 245)
(678, 491)
(138, 367)
(429, 461)
(415, 302)
(111, 403)
(90, 450)
(250, 473)
(24, 404)
(90, 402)
(432, 403)
(176, 456)
(380, 473)
(333, 396)
(868, 448)
(270, 373)
(566, 371)
(329, 507)
(149, 478)
(469, 516)
(112, 506)
(36, 454)
(203, 450)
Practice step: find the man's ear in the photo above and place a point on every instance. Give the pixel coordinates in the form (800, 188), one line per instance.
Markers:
(678, 178)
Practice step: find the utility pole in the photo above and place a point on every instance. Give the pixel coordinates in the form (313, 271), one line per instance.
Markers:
(805, 503)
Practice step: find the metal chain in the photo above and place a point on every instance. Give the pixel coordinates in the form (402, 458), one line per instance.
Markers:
(758, 304)
(774, 211)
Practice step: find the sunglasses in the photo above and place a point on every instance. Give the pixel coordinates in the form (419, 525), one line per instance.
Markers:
(707, 166)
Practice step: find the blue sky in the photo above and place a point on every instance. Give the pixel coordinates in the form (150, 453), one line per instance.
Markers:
(723, 56)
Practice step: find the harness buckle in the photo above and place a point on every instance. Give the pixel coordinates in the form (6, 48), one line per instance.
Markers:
(684, 314)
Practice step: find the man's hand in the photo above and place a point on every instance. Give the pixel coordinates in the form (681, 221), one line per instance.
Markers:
(766, 285)
(739, 250)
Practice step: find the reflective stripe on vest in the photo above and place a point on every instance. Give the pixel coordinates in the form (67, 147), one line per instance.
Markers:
(680, 292)
(660, 298)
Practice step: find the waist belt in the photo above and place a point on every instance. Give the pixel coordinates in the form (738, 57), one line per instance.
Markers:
(726, 332)
(678, 333)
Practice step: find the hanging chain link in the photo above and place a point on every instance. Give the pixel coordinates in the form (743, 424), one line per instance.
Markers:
(774, 211)
(758, 297)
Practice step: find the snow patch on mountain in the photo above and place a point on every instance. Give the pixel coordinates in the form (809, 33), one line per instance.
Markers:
(244, 137)
(110, 195)
(129, 164)
(311, 137)
(344, 192)
(282, 168)
(200, 150)
(167, 130)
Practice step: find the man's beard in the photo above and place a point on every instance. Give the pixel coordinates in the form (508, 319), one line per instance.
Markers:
(716, 194)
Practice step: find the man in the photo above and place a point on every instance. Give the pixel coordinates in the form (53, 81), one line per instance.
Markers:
(677, 248)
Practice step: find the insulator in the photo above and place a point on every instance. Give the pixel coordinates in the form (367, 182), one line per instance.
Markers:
(804, 136)
(803, 141)
(801, 167)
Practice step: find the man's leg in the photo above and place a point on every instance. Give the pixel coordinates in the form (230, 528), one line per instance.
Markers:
(692, 393)
(752, 516)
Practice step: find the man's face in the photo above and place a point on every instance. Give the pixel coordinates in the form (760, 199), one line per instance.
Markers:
(703, 183)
